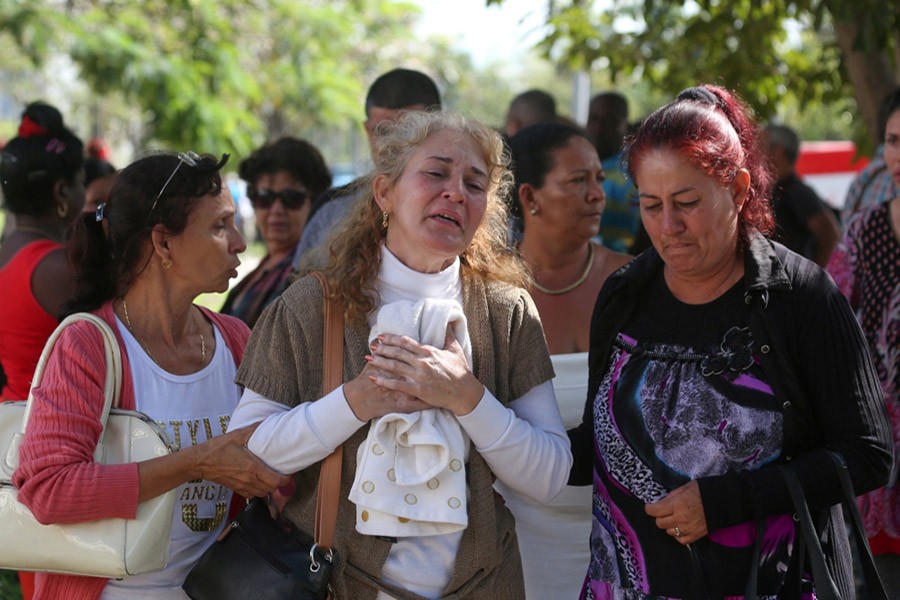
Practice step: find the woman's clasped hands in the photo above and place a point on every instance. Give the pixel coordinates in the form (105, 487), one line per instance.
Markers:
(402, 375)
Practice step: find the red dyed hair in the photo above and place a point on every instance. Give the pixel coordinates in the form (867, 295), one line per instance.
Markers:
(714, 131)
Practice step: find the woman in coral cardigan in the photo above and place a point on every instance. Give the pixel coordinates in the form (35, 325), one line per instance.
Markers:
(166, 235)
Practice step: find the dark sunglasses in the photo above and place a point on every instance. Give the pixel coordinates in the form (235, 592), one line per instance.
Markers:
(291, 199)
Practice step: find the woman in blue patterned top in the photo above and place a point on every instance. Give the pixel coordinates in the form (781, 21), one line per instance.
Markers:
(716, 356)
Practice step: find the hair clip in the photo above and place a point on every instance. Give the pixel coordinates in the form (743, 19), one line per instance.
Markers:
(101, 212)
(28, 128)
(700, 94)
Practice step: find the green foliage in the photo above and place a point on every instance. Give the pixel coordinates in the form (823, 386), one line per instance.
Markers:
(479, 93)
(726, 43)
(9, 582)
(776, 53)
(215, 75)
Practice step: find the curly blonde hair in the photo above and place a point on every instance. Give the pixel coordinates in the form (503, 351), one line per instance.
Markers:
(355, 249)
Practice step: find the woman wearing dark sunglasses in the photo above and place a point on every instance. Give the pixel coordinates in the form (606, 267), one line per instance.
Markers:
(283, 178)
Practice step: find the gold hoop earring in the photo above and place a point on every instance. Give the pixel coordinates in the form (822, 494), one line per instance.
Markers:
(166, 263)
(62, 209)
(384, 219)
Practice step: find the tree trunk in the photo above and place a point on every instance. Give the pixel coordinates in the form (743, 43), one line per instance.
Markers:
(869, 70)
(275, 124)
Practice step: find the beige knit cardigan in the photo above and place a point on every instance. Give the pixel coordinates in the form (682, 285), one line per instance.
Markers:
(283, 362)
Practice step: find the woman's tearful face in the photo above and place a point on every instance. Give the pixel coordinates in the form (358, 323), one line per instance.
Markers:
(438, 203)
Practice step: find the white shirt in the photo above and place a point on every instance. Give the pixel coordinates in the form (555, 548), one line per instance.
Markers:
(525, 443)
(193, 409)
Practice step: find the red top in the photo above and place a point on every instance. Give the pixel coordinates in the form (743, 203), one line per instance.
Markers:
(24, 324)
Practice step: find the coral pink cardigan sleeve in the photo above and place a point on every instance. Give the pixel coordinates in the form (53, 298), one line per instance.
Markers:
(57, 477)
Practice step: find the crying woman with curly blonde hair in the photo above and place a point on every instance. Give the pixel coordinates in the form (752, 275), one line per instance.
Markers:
(446, 375)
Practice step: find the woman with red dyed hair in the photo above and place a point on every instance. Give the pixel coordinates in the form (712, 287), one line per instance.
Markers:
(716, 356)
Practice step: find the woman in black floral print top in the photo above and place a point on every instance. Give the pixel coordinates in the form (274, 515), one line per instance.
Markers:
(706, 373)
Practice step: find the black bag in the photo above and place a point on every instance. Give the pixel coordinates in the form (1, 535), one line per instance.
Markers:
(256, 558)
(270, 563)
(807, 540)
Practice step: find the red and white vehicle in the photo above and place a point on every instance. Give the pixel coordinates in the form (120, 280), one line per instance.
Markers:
(829, 168)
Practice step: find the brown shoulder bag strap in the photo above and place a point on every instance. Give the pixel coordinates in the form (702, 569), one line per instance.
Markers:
(332, 376)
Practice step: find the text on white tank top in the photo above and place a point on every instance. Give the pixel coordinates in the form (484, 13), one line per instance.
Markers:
(193, 409)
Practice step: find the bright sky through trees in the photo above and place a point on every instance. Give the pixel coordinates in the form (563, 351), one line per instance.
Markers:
(487, 33)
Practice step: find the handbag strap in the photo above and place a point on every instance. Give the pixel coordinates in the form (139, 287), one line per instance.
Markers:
(874, 585)
(750, 591)
(826, 589)
(328, 494)
(112, 386)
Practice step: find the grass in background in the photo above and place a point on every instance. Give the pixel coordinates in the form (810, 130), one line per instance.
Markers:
(9, 581)
(9, 586)
(211, 301)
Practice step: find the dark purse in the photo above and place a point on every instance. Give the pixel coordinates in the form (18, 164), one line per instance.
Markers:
(257, 558)
(807, 540)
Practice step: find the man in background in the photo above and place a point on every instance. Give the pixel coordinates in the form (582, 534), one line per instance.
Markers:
(530, 108)
(606, 127)
(389, 96)
(803, 222)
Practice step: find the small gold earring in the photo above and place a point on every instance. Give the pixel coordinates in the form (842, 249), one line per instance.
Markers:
(384, 219)
(166, 263)
(62, 209)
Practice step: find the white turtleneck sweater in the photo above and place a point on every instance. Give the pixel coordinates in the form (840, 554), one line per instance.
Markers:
(508, 437)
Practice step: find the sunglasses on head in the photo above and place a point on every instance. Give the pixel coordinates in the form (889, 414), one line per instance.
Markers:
(291, 199)
(184, 158)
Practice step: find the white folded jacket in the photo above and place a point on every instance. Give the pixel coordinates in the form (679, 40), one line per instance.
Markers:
(410, 473)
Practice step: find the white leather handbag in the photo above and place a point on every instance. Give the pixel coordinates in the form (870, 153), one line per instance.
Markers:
(112, 548)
